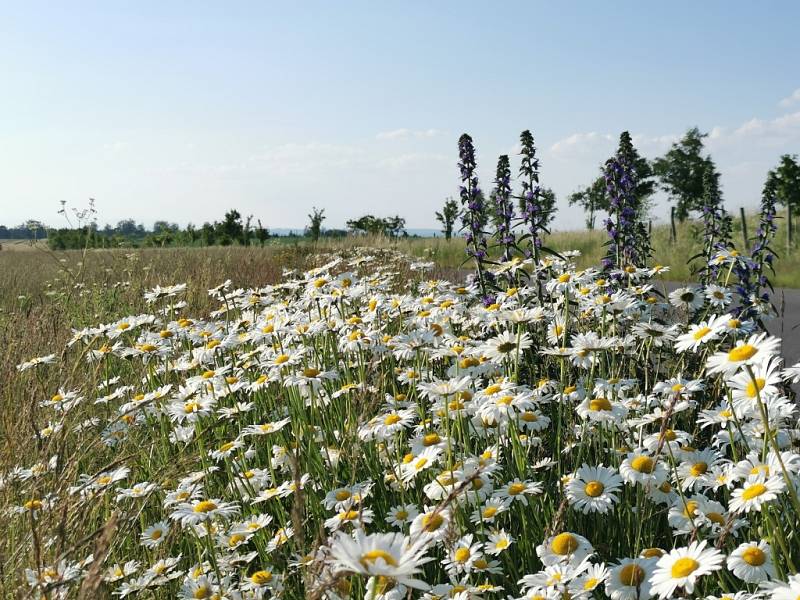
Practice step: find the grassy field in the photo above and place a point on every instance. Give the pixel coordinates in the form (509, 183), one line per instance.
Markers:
(449, 255)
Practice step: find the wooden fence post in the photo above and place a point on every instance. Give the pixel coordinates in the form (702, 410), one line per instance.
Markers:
(744, 229)
(673, 231)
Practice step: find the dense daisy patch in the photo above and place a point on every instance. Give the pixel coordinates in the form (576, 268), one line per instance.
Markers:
(349, 434)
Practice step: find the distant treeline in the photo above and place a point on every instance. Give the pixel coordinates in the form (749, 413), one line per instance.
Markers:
(232, 230)
(26, 231)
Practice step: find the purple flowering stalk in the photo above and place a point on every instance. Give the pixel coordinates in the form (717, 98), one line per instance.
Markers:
(754, 286)
(629, 242)
(504, 208)
(474, 215)
(717, 226)
(533, 215)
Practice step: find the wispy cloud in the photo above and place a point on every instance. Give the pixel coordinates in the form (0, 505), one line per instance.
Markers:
(790, 100)
(404, 134)
(582, 143)
(755, 131)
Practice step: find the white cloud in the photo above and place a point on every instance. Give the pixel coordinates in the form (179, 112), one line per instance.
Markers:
(404, 134)
(786, 125)
(582, 143)
(793, 98)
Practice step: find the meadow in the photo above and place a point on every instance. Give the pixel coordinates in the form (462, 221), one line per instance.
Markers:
(340, 421)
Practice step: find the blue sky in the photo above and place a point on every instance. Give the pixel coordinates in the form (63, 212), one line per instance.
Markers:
(181, 110)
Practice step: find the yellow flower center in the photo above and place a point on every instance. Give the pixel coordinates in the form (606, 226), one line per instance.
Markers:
(515, 489)
(205, 506)
(342, 495)
(701, 333)
(600, 404)
(431, 439)
(462, 555)
(742, 353)
(715, 517)
(643, 464)
(699, 468)
(391, 419)
(593, 489)
(529, 417)
(683, 567)
(754, 556)
(690, 508)
(432, 521)
(754, 387)
(489, 512)
(281, 358)
(310, 372)
(754, 491)
(202, 592)
(632, 575)
(369, 558)
(564, 543)
(261, 577)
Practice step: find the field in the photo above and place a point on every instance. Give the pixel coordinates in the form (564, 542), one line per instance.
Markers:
(450, 254)
(224, 438)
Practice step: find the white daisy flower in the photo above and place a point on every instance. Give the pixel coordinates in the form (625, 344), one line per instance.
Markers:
(752, 562)
(682, 567)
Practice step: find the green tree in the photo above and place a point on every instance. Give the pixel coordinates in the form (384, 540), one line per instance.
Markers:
(448, 217)
(230, 229)
(369, 224)
(262, 233)
(784, 182)
(366, 225)
(394, 226)
(681, 172)
(592, 199)
(316, 217)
